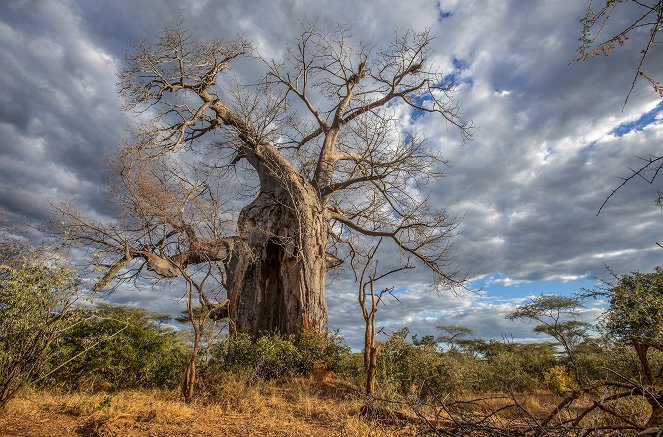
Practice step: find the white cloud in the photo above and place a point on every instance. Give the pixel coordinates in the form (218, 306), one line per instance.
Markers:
(543, 159)
(508, 281)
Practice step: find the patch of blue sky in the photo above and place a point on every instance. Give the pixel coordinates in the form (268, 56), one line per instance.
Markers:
(430, 315)
(637, 125)
(456, 77)
(442, 14)
(499, 286)
(400, 290)
(460, 64)
(422, 102)
(450, 80)
(548, 154)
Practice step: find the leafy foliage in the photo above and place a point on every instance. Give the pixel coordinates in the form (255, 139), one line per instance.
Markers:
(274, 356)
(36, 308)
(122, 347)
(477, 366)
(558, 379)
(636, 307)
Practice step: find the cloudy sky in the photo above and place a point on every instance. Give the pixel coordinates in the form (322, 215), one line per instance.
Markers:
(552, 137)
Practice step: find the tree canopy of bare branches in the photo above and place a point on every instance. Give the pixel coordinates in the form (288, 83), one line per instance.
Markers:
(321, 142)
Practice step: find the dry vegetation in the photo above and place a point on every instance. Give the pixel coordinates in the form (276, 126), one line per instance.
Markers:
(296, 408)
(292, 407)
(114, 371)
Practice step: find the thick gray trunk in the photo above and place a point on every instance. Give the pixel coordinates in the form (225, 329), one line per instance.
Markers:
(277, 276)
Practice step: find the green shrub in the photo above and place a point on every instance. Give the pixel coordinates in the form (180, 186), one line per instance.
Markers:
(485, 366)
(508, 373)
(274, 356)
(36, 308)
(122, 347)
(407, 367)
(461, 372)
(558, 380)
(350, 365)
(330, 349)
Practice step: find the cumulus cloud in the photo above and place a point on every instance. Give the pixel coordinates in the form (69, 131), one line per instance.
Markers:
(552, 137)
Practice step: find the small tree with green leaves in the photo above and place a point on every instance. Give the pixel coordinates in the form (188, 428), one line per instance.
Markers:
(36, 308)
(557, 317)
(454, 336)
(635, 317)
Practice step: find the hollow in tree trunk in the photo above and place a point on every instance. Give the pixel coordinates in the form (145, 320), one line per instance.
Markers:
(276, 280)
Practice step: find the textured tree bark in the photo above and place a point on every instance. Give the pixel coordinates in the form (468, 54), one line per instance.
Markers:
(276, 275)
(372, 370)
(189, 382)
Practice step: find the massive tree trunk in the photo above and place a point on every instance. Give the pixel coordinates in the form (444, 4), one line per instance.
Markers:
(276, 275)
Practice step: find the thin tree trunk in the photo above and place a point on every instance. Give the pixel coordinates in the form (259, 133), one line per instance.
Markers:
(372, 371)
(371, 350)
(189, 382)
(368, 343)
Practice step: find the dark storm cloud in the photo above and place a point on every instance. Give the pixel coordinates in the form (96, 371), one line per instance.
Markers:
(60, 113)
(528, 187)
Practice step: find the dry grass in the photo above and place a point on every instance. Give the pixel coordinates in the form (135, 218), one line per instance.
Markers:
(239, 405)
(295, 408)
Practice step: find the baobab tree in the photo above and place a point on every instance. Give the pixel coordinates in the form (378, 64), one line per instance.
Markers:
(326, 142)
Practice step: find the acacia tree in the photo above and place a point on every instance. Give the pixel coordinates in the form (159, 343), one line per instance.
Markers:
(635, 316)
(557, 317)
(454, 337)
(321, 142)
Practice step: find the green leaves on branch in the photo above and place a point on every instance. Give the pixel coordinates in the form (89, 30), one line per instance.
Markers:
(636, 307)
(36, 308)
(125, 347)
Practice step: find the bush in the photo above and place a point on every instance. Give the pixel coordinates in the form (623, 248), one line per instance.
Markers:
(36, 307)
(274, 356)
(461, 372)
(508, 373)
(122, 347)
(559, 380)
(486, 366)
(406, 367)
(314, 347)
